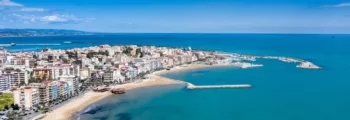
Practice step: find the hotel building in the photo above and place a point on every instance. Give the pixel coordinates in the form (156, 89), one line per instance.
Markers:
(26, 97)
(4, 82)
(53, 87)
(73, 83)
(16, 77)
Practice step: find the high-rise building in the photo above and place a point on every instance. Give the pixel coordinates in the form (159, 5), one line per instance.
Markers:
(53, 87)
(16, 77)
(43, 92)
(26, 97)
(42, 73)
(4, 82)
(85, 73)
(73, 83)
(20, 61)
(63, 89)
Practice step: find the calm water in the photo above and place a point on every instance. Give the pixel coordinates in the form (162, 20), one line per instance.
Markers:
(281, 91)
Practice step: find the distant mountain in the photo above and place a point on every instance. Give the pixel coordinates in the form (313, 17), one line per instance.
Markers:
(40, 32)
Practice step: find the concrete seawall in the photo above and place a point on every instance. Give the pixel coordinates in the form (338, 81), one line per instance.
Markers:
(191, 86)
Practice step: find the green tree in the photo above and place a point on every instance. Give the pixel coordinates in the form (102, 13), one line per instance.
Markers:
(14, 116)
(65, 60)
(127, 51)
(6, 107)
(75, 55)
(15, 107)
(22, 83)
(141, 56)
(106, 53)
(91, 54)
(138, 52)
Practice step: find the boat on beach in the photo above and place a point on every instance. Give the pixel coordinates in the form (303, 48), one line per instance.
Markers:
(118, 91)
(101, 89)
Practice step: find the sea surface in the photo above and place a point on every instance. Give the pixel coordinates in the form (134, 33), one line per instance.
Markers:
(280, 90)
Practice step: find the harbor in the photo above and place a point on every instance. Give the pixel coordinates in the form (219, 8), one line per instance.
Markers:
(302, 63)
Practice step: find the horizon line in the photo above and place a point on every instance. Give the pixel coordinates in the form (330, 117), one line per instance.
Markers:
(180, 32)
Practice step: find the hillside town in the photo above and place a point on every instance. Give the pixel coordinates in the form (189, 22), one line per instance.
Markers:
(7, 32)
(42, 79)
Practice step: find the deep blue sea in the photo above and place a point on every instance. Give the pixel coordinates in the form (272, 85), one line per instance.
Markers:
(280, 90)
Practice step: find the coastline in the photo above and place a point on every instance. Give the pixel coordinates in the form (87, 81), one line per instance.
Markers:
(68, 110)
(192, 67)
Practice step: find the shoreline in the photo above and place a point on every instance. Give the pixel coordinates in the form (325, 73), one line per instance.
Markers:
(70, 109)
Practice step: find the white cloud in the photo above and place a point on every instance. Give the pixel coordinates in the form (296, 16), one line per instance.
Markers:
(54, 18)
(63, 19)
(23, 18)
(50, 19)
(9, 3)
(32, 9)
(13, 6)
(339, 5)
(13, 14)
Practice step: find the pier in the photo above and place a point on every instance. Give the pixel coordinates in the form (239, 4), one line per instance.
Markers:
(42, 44)
(191, 86)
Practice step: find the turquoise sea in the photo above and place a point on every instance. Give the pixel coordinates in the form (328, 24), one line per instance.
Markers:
(281, 91)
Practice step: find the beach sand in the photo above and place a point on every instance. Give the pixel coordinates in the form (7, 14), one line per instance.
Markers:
(68, 110)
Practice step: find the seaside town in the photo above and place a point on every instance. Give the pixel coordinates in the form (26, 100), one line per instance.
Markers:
(40, 32)
(34, 83)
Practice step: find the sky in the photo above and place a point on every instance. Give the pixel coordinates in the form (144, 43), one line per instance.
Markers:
(179, 16)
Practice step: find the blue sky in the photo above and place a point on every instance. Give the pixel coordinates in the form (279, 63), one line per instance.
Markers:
(180, 16)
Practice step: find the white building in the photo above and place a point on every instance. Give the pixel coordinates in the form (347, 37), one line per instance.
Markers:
(26, 97)
(64, 70)
(113, 76)
(85, 73)
(19, 61)
(73, 83)
(132, 73)
(16, 77)
(44, 92)
(4, 82)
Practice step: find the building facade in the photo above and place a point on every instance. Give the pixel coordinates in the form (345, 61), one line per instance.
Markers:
(4, 82)
(16, 77)
(72, 82)
(113, 76)
(26, 97)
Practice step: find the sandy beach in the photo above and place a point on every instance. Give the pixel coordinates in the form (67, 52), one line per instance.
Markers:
(70, 109)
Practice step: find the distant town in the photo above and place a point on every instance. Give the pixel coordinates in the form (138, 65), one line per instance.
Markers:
(40, 32)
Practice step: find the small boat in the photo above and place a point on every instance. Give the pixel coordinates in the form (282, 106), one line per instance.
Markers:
(7, 45)
(118, 91)
(67, 42)
(101, 89)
